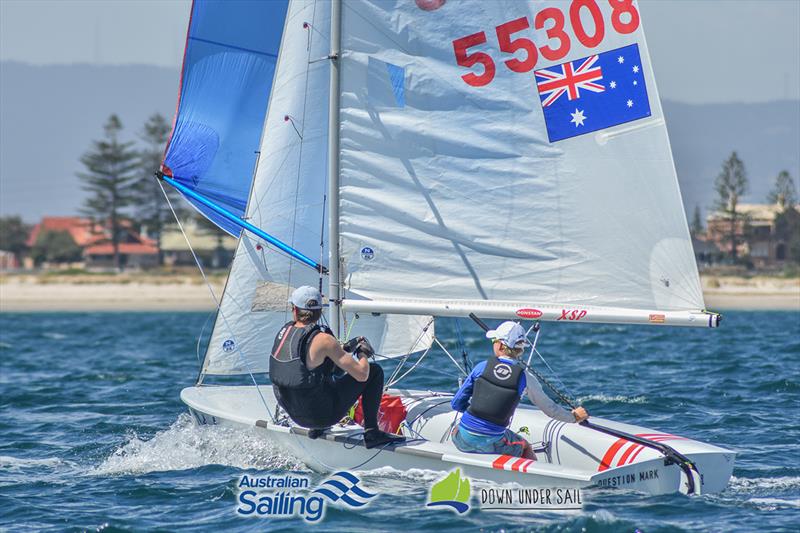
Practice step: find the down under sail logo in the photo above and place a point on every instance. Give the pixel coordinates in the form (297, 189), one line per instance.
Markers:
(453, 491)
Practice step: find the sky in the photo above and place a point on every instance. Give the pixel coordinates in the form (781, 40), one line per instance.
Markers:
(717, 44)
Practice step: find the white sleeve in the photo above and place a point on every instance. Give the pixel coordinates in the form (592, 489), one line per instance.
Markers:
(541, 400)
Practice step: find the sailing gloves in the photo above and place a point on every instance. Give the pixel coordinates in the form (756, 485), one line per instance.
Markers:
(358, 345)
(351, 345)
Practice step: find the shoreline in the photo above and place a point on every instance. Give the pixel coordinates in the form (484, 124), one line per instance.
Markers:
(28, 293)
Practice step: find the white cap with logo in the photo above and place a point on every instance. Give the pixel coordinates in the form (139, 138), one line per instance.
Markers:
(306, 297)
(509, 333)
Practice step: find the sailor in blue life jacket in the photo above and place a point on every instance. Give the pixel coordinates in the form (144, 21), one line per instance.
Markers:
(303, 371)
(490, 394)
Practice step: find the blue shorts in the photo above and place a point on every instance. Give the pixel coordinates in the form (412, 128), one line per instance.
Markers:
(509, 443)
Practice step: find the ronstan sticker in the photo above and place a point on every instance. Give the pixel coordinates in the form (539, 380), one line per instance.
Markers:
(529, 313)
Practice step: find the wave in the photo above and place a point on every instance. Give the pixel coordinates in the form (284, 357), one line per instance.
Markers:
(604, 398)
(744, 484)
(18, 463)
(412, 474)
(185, 445)
(415, 477)
(773, 504)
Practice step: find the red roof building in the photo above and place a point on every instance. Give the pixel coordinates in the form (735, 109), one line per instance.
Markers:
(82, 230)
(95, 240)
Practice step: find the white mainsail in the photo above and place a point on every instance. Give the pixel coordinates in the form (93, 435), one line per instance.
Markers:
(287, 199)
(455, 199)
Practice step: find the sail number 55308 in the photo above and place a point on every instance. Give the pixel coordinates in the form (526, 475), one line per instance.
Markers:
(624, 19)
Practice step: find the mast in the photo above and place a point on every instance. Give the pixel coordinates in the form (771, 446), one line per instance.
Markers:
(334, 290)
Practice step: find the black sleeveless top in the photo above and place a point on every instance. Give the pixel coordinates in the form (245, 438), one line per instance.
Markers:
(287, 367)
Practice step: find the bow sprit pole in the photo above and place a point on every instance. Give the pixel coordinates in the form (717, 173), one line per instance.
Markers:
(224, 213)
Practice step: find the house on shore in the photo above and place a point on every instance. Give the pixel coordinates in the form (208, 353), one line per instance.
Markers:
(754, 230)
(8, 261)
(214, 248)
(87, 244)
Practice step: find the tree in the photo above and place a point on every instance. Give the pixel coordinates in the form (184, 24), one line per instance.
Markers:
(731, 184)
(55, 247)
(14, 235)
(783, 193)
(110, 178)
(152, 210)
(787, 229)
(696, 228)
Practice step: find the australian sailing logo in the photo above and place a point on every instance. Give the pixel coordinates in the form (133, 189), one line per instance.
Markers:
(453, 491)
(289, 496)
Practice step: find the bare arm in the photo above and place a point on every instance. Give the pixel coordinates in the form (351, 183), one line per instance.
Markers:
(327, 346)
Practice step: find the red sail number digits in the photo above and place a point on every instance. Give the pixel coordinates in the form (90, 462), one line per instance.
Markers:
(511, 38)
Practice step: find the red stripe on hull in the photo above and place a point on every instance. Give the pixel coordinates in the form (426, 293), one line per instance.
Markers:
(502, 460)
(608, 458)
(605, 464)
(633, 457)
(518, 464)
(627, 454)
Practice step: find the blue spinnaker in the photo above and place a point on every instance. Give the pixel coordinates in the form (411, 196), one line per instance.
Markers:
(228, 66)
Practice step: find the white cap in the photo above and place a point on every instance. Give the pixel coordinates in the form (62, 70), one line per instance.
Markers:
(306, 297)
(509, 333)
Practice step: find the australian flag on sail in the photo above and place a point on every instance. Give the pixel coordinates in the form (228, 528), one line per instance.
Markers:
(593, 93)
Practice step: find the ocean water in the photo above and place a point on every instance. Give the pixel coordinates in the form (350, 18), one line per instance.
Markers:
(93, 435)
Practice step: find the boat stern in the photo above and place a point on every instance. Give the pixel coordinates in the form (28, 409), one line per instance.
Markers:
(655, 474)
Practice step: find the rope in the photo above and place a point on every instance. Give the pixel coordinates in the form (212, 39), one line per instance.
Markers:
(322, 240)
(350, 327)
(561, 396)
(552, 371)
(421, 357)
(200, 338)
(463, 346)
(410, 351)
(450, 356)
(537, 329)
(431, 369)
(216, 301)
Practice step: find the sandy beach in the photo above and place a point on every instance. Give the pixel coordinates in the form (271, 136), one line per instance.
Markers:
(756, 293)
(107, 293)
(138, 292)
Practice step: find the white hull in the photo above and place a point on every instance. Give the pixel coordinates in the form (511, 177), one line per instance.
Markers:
(577, 457)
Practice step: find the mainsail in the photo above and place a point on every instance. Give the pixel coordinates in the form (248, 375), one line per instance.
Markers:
(509, 158)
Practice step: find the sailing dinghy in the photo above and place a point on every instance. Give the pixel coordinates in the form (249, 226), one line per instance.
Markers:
(421, 159)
